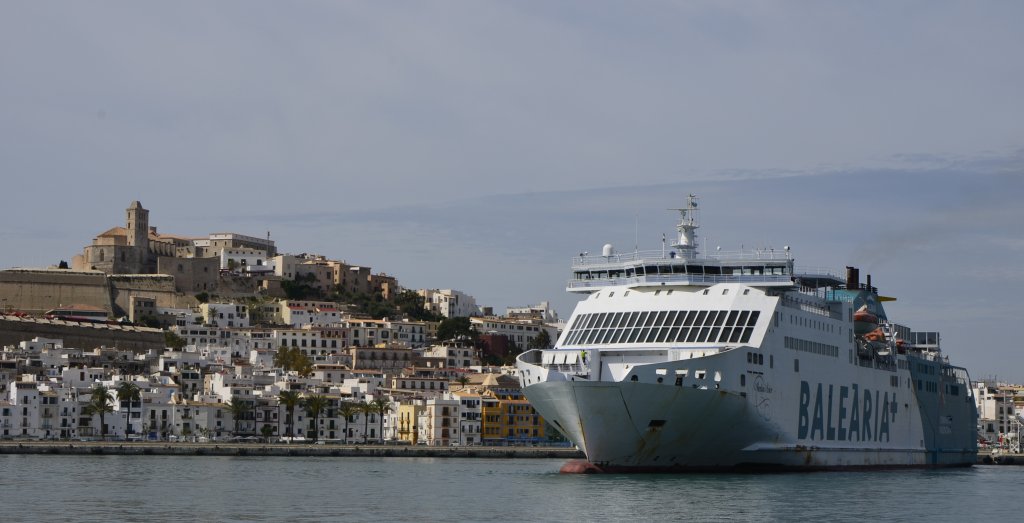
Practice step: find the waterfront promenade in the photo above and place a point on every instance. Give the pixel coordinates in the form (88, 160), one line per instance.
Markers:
(156, 448)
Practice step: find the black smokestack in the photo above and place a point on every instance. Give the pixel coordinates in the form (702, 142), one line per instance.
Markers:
(852, 278)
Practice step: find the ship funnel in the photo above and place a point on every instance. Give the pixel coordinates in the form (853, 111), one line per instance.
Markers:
(852, 278)
(869, 283)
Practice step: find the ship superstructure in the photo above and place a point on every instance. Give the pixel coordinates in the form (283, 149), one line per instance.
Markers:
(681, 360)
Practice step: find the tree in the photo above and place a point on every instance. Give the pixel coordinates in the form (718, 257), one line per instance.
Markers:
(347, 409)
(291, 358)
(203, 297)
(290, 399)
(128, 392)
(455, 328)
(316, 405)
(381, 406)
(238, 409)
(366, 409)
(99, 404)
(267, 431)
(173, 341)
(541, 341)
(463, 380)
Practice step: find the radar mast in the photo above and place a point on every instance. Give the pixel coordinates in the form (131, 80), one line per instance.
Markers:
(687, 226)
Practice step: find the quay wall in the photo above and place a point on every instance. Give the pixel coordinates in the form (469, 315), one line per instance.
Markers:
(256, 449)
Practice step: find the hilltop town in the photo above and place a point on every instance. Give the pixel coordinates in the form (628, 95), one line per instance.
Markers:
(154, 336)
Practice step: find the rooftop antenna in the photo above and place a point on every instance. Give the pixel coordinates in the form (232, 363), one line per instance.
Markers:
(636, 234)
(687, 227)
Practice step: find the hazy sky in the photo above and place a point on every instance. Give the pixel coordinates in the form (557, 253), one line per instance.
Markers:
(478, 145)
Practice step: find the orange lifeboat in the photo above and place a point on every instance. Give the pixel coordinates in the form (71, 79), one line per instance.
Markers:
(864, 321)
(875, 336)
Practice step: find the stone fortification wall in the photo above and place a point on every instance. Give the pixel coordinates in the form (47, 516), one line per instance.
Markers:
(38, 290)
(157, 286)
(80, 335)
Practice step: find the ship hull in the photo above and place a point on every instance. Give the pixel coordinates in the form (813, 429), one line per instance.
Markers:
(642, 427)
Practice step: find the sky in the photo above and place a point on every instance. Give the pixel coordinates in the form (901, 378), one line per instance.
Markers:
(478, 145)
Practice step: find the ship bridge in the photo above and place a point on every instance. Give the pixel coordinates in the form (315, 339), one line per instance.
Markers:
(757, 268)
(679, 264)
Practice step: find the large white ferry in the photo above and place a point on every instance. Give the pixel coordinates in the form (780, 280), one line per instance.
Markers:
(679, 360)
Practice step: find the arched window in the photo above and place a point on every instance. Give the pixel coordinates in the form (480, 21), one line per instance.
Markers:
(102, 255)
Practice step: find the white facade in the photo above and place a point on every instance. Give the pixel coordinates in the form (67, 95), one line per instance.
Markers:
(449, 303)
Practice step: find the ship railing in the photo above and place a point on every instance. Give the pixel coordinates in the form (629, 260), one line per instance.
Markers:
(685, 279)
(672, 254)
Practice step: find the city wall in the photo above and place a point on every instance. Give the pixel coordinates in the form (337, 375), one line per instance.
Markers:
(36, 291)
(80, 335)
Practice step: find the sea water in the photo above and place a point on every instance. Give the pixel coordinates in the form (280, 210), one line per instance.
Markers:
(202, 488)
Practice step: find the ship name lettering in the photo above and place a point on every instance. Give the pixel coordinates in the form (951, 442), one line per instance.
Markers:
(823, 414)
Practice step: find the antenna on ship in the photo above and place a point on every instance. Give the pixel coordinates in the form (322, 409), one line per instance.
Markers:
(687, 226)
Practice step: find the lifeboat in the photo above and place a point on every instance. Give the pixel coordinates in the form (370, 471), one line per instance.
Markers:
(864, 322)
(875, 336)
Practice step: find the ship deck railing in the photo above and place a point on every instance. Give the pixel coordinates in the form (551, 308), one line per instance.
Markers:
(683, 279)
(670, 255)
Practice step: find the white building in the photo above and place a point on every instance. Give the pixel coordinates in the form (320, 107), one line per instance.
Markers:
(449, 303)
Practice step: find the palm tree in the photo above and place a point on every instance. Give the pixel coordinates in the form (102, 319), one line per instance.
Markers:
(99, 403)
(463, 380)
(238, 409)
(316, 405)
(128, 391)
(381, 406)
(347, 410)
(366, 409)
(290, 398)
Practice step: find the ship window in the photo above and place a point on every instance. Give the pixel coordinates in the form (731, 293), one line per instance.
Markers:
(746, 292)
(796, 365)
(610, 294)
(621, 335)
(625, 294)
(711, 318)
(725, 335)
(682, 334)
(620, 319)
(679, 381)
(650, 319)
(652, 335)
(633, 378)
(743, 318)
(657, 292)
(690, 318)
(714, 334)
(643, 317)
(771, 361)
(749, 357)
(720, 319)
(633, 333)
(669, 293)
(643, 334)
(747, 333)
(591, 318)
(672, 334)
(605, 318)
(725, 291)
(692, 336)
(699, 374)
(743, 380)
(662, 334)
(700, 318)
(680, 318)
(671, 318)
(705, 292)
(661, 318)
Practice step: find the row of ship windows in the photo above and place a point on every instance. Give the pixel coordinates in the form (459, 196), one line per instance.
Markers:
(663, 327)
(813, 347)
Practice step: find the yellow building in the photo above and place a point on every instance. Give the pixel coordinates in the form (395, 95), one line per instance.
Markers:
(509, 419)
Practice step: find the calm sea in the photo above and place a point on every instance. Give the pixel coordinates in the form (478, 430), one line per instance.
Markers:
(170, 488)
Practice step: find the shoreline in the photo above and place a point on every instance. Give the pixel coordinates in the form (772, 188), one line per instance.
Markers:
(129, 448)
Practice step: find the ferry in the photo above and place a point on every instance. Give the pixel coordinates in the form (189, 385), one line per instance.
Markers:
(681, 360)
